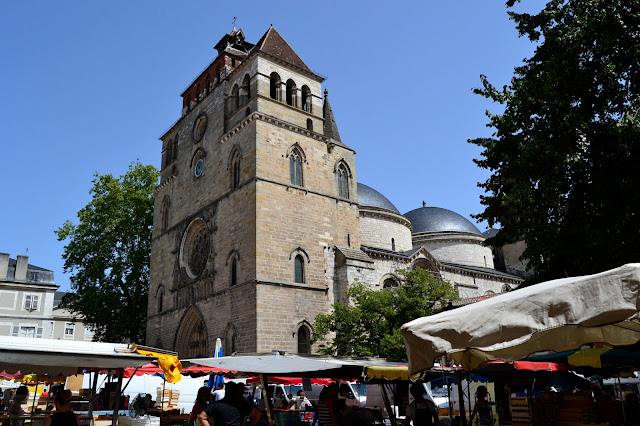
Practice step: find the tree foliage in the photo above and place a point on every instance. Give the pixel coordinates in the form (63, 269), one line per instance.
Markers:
(370, 324)
(108, 255)
(564, 156)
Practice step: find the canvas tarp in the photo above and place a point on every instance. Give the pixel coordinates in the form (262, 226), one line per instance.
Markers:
(557, 316)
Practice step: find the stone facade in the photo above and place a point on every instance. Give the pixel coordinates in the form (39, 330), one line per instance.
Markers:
(258, 226)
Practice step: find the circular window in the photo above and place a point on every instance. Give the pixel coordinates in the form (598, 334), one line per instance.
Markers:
(199, 127)
(194, 250)
(199, 166)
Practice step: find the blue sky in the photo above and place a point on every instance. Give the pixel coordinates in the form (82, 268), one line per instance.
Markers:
(89, 87)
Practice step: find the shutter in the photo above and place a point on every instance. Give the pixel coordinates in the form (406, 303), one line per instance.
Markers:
(27, 302)
(34, 302)
(15, 330)
(39, 333)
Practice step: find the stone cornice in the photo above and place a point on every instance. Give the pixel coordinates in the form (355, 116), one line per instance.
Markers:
(385, 214)
(476, 274)
(448, 236)
(164, 184)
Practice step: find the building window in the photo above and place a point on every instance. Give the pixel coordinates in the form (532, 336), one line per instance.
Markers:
(69, 330)
(166, 203)
(306, 99)
(235, 97)
(299, 269)
(343, 181)
(236, 173)
(246, 89)
(304, 340)
(393, 244)
(309, 124)
(33, 276)
(31, 302)
(168, 154)
(295, 167)
(88, 332)
(234, 272)
(275, 83)
(389, 283)
(292, 93)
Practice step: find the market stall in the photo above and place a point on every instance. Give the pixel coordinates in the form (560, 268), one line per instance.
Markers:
(58, 358)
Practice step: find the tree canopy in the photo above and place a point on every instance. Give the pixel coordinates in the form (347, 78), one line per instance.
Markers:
(565, 151)
(370, 324)
(108, 255)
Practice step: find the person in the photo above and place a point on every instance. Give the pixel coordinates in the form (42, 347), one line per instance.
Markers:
(218, 394)
(327, 406)
(421, 411)
(63, 415)
(230, 410)
(606, 406)
(301, 402)
(202, 402)
(632, 409)
(482, 408)
(99, 403)
(15, 408)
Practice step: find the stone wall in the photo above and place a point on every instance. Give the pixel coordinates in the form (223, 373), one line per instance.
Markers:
(378, 229)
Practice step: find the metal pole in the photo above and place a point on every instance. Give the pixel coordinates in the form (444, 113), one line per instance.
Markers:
(463, 414)
(387, 403)
(35, 394)
(624, 414)
(116, 404)
(449, 406)
(92, 400)
(267, 401)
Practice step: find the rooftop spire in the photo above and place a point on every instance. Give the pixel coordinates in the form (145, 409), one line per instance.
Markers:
(330, 125)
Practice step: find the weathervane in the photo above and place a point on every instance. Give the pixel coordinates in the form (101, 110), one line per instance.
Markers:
(234, 22)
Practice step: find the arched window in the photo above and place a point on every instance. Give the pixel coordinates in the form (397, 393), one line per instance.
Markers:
(393, 244)
(275, 83)
(389, 283)
(160, 298)
(299, 269)
(230, 336)
(246, 89)
(295, 167)
(166, 203)
(174, 149)
(168, 153)
(292, 93)
(236, 172)
(306, 99)
(343, 180)
(234, 167)
(234, 272)
(309, 124)
(304, 340)
(235, 97)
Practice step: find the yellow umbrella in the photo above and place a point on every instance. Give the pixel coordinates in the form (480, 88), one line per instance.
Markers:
(587, 357)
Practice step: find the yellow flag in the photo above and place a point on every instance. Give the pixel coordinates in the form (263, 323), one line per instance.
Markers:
(169, 364)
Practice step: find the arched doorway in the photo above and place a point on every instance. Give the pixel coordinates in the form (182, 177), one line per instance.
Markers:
(191, 340)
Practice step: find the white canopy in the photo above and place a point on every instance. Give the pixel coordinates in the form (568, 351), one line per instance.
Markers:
(293, 365)
(63, 357)
(554, 316)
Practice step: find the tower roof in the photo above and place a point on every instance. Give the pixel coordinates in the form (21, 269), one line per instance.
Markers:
(330, 125)
(234, 43)
(273, 44)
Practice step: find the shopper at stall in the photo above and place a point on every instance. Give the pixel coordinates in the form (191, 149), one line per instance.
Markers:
(328, 406)
(218, 394)
(607, 406)
(301, 401)
(230, 411)
(202, 402)
(482, 408)
(63, 415)
(15, 408)
(421, 411)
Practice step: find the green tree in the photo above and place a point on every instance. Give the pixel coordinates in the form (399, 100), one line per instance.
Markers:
(370, 324)
(108, 254)
(565, 152)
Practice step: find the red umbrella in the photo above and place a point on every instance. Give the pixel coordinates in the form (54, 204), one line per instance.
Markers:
(193, 371)
(290, 380)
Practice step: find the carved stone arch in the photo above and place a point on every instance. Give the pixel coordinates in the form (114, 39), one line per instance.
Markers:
(230, 340)
(233, 254)
(234, 166)
(160, 288)
(160, 293)
(343, 163)
(197, 154)
(303, 333)
(192, 337)
(296, 146)
(275, 86)
(390, 280)
(235, 151)
(299, 250)
(427, 264)
(344, 179)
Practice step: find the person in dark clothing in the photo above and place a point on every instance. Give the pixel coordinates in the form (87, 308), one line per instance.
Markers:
(421, 412)
(230, 410)
(63, 415)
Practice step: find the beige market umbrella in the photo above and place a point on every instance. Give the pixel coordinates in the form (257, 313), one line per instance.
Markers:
(557, 315)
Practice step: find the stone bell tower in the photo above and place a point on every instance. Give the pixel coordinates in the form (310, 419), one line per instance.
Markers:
(256, 190)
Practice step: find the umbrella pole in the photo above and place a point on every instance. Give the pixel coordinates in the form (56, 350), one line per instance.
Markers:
(624, 414)
(129, 381)
(116, 403)
(92, 400)
(35, 394)
(387, 403)
(463, 414)
(449, 405)
(267, 400)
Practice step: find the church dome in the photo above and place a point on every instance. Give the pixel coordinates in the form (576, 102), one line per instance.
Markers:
(436, 219)
(369, 197)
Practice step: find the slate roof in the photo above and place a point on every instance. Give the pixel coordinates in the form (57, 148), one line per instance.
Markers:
(402, 254)
(330, 127)
(368, 196)
(354, 254)
(30, 267)
(273, 44)
(436, 219)
(477, 269)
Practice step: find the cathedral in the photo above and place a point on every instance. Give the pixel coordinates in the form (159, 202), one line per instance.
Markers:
(261, 223)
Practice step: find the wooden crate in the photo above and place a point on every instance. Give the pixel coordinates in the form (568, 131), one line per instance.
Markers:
(520, 413)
